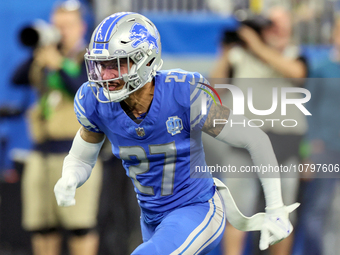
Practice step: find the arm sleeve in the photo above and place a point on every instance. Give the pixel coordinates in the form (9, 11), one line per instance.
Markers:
(81, 159)
(259, 146)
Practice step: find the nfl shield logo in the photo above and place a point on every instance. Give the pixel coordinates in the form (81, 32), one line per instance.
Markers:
(140, 131)
(174, 125)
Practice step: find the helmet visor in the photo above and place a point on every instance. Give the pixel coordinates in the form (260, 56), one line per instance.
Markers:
(109, 69)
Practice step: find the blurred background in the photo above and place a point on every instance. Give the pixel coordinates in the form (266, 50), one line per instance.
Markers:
(191, 35)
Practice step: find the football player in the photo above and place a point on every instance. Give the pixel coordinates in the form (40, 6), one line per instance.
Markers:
(154, 120)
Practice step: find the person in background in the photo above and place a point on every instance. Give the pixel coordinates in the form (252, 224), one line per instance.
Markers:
(56, 70)
(324, 141)
(263, 53)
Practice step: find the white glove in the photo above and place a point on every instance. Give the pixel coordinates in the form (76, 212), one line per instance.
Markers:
(276, 225)
(65, 190)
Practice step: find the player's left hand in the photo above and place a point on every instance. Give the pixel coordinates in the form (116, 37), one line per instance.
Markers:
(276, 225)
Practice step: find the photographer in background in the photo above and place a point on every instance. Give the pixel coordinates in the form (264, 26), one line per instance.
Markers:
(265, 41)
(56, 71)
(261, 48)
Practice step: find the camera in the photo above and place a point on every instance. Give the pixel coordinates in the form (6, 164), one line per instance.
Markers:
(39, 34)
(254, 21)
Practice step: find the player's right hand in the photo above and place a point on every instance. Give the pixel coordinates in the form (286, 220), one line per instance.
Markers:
(65, 190)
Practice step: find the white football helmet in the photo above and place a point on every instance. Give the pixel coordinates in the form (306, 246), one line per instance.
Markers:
(123, 37)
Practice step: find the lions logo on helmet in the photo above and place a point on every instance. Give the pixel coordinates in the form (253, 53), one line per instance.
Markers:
(140, 34)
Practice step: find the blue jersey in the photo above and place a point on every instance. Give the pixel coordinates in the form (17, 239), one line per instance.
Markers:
(160, 153)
